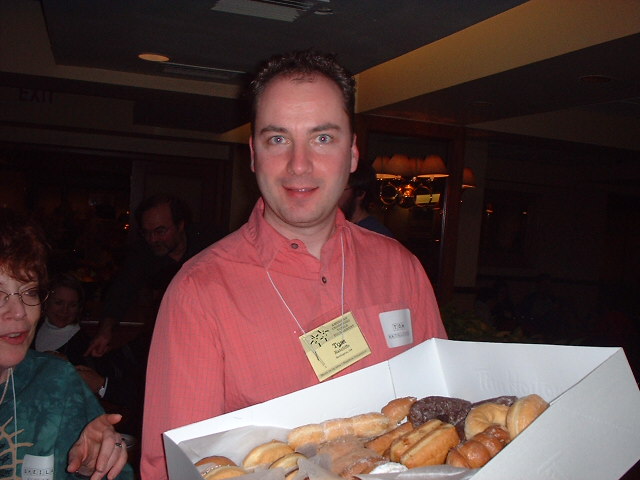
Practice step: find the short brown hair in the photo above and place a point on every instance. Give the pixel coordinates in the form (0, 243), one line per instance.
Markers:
(304, 64)
(23, 248)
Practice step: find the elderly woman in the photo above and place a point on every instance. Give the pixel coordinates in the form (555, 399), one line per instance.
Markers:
(51, 425)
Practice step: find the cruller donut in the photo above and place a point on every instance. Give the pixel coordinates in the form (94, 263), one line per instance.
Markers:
(366, 425)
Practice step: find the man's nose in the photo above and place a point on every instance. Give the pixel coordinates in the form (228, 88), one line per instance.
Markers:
(300, 161)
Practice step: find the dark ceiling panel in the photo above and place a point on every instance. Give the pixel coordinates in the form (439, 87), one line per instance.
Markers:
(110, 33)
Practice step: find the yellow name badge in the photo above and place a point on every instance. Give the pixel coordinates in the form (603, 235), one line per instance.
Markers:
(334, 346)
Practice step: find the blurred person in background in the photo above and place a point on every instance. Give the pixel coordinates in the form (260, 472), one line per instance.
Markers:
(358, 196)
(170, 239)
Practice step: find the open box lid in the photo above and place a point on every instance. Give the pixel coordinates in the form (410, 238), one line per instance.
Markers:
(591, 430)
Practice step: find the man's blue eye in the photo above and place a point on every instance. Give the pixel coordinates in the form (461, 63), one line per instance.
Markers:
(277, 140)
(324, 138)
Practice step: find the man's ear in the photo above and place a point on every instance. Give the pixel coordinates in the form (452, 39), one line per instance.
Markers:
(355, 154)
(253, 168)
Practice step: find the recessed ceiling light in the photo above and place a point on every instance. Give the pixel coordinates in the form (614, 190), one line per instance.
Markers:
(595, 79)
(481, 104)
(153, 57)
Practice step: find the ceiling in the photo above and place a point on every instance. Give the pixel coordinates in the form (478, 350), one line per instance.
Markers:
(500, 65)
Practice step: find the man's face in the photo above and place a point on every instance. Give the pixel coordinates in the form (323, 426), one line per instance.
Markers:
(302, 152)
(159, 231)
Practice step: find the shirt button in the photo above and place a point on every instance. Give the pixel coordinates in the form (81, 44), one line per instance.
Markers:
(294, 246)
(324, 279)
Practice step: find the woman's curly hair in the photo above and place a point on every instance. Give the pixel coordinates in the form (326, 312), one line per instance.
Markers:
(23, 248)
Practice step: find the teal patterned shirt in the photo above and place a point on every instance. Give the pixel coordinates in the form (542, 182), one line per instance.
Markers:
(52, 406)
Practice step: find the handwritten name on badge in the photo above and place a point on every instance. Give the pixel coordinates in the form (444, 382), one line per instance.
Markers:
(334, 346)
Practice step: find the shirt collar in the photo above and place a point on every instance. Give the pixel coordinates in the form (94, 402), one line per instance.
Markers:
(269, 243)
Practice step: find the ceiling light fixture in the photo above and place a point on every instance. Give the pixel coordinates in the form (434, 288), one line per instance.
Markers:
(595, 79)
(410, 182)
(153, 57)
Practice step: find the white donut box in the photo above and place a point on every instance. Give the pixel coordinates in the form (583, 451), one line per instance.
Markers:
(590, 431)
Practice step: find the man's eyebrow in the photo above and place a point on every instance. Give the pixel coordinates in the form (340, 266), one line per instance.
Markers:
(325, 127)
(272, 129)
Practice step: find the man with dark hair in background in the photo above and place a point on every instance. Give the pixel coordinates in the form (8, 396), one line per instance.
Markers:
(164, 222)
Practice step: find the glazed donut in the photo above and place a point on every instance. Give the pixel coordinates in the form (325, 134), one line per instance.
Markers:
(215, 461)
(483, 416)
(524, 411)
(289, 463)
(381, 443)
(366, 425)
(398, 409)
(347, 456)
(403, 443)
(224, 471)
(266, 454)
(432, 448)
(478, 450)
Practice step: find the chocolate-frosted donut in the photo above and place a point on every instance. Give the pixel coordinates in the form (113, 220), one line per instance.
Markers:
(502, 400)
(445, 409)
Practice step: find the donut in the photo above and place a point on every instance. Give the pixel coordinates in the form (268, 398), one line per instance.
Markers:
(483, 416)
(403, 443)
(507, 400)
(215, 461)
(366, 425)
(398, 409)
(381, 443)
(223, 471)
(348, 457)
(524, 411)
(478, 450)
(445, 409)
(288, 462)
(432, 448)
(266, 454)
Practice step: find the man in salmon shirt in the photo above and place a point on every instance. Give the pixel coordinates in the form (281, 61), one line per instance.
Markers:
(296, 295)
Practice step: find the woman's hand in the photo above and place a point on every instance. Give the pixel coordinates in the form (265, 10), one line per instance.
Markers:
(100, 451)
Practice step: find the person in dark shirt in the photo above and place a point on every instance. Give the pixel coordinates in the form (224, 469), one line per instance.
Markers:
(357, 198)
(169, 241)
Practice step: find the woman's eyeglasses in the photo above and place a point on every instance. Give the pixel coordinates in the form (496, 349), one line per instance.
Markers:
(31, 297)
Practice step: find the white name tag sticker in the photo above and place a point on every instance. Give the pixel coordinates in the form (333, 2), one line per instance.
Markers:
(37, 468)
(396, 326)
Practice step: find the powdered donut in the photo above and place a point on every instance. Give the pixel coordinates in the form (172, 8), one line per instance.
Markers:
(524, 411)
(483, 416)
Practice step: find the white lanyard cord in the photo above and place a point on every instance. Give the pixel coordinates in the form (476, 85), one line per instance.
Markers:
(341, 295)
